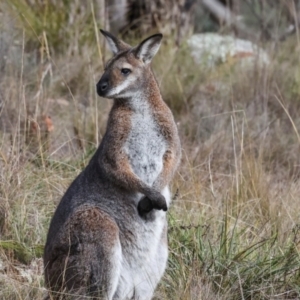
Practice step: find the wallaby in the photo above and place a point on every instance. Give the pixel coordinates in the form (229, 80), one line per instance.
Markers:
(108, 236)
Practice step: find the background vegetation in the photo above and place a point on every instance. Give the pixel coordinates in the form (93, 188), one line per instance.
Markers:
(235, 221)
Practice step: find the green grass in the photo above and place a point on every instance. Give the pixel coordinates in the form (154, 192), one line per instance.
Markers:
(236, 264)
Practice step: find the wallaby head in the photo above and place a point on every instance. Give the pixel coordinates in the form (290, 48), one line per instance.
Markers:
(129, 69)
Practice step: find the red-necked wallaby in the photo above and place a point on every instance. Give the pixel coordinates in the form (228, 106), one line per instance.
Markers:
(108, 236)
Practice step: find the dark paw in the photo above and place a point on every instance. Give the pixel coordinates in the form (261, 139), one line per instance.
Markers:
(145, 206)
(157, 201)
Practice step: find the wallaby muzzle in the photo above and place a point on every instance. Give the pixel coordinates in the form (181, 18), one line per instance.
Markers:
(103, 85)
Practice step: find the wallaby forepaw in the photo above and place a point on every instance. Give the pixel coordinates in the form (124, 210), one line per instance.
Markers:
(146, 204)
(160, 203)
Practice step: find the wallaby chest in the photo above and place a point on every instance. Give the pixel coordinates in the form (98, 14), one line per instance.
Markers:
(145, 144)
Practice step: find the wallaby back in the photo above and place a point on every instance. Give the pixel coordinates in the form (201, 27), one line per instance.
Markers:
(107, 237)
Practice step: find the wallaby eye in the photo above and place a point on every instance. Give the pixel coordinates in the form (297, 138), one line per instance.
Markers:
(125, 71)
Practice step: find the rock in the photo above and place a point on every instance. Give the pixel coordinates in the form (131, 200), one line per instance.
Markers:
(211, 49)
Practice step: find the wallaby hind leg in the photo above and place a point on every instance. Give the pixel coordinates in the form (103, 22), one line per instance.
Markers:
(87, 258)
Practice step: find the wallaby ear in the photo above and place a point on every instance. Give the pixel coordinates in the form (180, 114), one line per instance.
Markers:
(114, 43)
(148, 48)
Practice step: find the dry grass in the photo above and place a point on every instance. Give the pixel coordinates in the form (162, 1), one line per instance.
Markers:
(234, 226)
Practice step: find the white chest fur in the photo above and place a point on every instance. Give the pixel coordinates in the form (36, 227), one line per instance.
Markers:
(145, 145)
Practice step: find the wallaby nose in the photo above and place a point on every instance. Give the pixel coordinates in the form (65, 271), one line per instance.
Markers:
(102, 86)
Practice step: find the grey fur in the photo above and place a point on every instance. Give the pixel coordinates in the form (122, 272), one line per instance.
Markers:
(99, 243)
